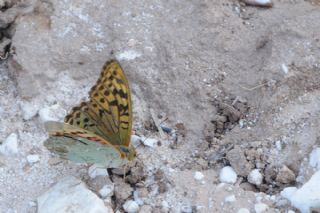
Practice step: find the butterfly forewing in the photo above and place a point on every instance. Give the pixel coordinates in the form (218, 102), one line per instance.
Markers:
(98, 130)
(109, 111)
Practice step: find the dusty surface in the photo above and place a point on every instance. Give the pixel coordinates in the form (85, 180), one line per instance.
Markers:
(226, 76)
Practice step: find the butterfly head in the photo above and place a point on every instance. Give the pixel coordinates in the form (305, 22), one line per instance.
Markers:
(129, 152)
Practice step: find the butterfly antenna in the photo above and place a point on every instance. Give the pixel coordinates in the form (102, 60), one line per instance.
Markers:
(124, 172)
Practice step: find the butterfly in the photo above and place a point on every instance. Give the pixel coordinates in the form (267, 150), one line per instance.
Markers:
(98, 130)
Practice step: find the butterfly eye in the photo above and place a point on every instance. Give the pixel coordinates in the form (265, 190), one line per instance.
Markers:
(124, 149)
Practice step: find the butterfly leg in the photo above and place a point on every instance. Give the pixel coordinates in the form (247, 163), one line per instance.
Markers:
(124, 171)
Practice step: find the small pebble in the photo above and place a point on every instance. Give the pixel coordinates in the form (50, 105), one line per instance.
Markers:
(128, 55)
(278, 145)
(137, 198)
(51, 113)
(167, 130)
(33, 159)
(135, 140)
(97, 170)
(10, 145)
(145, 209)
(260, 3)
(284, 68)
(198, 176)
(132, 42)
(29, 110)
(243, 210)
(285, 175)
(151, 142)
(260, 207)
(106, 191)
(122, 190)
(230, 199)
(131, 206)
(288, 192)
(227, 175)
(186, 209)
(255, 177)
(32, 203)
(165, 204)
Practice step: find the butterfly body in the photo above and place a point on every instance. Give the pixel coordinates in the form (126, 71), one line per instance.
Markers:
(99, 130)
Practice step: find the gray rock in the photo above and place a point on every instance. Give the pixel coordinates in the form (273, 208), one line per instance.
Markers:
(106, 190)
(145, 209)
(50, 36)
(122, 190)
(10, 145)
(239, 162)
(96, 170)
(285, 175)
(70, 195)
(131, 206)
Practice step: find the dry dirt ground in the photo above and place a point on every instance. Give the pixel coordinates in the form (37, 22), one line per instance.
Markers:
(237, 85)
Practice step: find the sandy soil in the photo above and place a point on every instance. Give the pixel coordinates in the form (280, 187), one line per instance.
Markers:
(238, 85)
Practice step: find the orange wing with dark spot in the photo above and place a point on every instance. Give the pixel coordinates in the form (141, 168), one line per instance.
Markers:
(108, 113)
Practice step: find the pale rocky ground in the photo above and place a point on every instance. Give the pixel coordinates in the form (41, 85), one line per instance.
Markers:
(239, 87)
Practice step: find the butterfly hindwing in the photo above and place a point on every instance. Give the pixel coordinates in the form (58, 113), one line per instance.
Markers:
(79, 145)
(84, 151)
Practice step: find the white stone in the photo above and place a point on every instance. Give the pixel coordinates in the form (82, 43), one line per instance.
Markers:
(132, 42)
(255, 177)
(241, 123)
(107, 191)
(131, 206)
(230, 199)
(32, 204)
(51, 113)
(186, 209)
(198, 176)
(291, 211)
(10, 145)
(165, 204)
(29, 110)
(137, 198)
(314, 159)
(307, 198)
(278, 145)
(128, 55)
(258, 197)
(260, 207)
(284, 68)
(151, 142)
(243, 210)
(264, 3)
(288, 192)
(70, 195)
(135, 140)
(96, 170)
(228, 175)
(33, 159)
